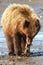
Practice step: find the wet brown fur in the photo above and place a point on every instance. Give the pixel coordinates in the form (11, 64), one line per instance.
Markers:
(20, 25)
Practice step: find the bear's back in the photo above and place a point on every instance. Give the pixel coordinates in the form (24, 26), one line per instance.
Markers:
(9, 18)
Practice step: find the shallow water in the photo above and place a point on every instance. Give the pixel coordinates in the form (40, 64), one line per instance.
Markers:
(37, 41)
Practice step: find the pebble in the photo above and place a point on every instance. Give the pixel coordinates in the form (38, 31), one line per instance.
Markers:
(11, 63)
(18, 57)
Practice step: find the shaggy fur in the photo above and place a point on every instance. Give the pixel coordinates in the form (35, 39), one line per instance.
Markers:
(20, 25)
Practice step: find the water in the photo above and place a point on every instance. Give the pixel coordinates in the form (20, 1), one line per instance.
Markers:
(37, 41)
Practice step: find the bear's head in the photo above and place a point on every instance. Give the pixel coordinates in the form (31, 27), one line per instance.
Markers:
(29, 24)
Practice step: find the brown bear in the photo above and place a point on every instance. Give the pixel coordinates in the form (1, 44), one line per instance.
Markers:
(20, 25)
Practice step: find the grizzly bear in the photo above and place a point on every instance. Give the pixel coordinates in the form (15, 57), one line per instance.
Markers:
(20, 25)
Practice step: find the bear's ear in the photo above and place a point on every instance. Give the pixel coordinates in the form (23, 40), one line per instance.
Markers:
(24, 12)
(37, 23)
(26, 24)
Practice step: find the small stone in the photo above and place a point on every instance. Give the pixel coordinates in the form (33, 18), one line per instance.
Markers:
(19, 57)
(12, 63)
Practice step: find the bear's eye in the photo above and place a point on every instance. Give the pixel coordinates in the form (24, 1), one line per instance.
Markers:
(26, 23)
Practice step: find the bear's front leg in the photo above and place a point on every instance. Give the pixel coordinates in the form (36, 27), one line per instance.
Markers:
(23, 43)
(9, 44)
(28, 53)
(17, 44)
(27, 47)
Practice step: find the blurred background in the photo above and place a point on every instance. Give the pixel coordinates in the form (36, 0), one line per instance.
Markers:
(37, 5)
